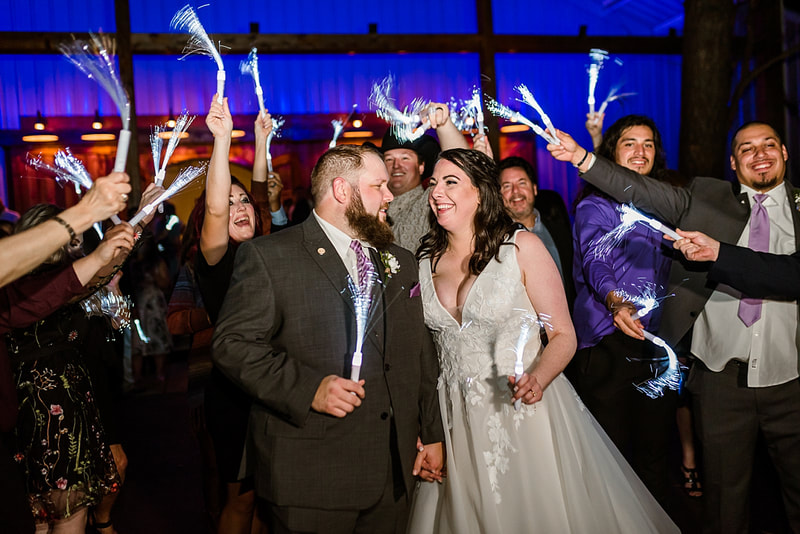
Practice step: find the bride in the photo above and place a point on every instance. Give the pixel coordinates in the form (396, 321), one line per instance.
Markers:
(547, 467)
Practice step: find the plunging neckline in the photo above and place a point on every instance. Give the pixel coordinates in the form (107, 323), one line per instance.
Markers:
(466, 299)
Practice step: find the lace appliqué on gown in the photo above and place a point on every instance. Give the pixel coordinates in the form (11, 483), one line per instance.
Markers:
(548, 464)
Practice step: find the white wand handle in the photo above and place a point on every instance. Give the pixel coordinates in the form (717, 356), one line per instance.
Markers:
(260, 95)
(148, 208)
(121, 159)
(122, 150)
(656, 225)
(269, 154)
(355, 368)
(517, 378)
(220, 85)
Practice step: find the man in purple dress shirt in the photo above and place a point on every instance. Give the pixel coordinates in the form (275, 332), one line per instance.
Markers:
(611, 347)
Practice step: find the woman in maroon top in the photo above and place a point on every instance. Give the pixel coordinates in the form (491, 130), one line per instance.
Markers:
(55, 489)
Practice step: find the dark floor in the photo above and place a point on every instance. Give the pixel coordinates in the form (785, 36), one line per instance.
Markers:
(163, 492)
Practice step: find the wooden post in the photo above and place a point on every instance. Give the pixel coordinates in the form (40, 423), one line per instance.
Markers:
(705, 86)
(125, 58)
(488, 76)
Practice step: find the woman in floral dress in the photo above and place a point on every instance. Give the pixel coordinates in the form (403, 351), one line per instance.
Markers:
(59, 440)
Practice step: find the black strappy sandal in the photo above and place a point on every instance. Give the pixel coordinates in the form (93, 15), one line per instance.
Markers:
(691, 482)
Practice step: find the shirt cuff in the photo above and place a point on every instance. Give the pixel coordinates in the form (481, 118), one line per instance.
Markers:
(279, 217)
(592, 159)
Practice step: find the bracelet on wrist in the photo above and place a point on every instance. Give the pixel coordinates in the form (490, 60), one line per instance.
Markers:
(583, 159)
(73, 238)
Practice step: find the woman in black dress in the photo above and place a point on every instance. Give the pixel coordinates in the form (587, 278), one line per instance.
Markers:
(59, 438)
(229, 217)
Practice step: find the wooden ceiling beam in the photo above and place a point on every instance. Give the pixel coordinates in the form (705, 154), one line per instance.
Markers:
(172, 43)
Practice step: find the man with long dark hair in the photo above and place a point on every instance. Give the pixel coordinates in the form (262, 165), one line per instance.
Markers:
(612, 353)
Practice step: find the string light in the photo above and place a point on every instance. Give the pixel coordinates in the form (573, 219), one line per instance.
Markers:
(40, 123)
(97, 124)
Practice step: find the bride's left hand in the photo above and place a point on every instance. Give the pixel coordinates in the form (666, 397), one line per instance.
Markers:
(429, 464)
(528, 389)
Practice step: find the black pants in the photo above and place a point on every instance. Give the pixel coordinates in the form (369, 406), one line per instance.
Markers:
(729, 416)
(639, 426)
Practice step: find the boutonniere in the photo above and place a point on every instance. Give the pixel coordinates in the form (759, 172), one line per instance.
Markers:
(797, 199)
(390, 264)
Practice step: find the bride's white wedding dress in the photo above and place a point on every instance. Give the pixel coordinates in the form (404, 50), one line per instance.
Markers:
(548, 467)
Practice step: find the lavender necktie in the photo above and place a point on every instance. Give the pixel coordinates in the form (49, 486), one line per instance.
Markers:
(364, 266)
(750, 309)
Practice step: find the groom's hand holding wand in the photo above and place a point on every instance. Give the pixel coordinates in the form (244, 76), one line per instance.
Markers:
(338, 396)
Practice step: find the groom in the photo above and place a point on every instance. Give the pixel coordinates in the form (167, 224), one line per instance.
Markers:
(330, 454)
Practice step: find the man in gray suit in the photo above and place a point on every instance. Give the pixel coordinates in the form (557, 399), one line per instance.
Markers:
(745, 377)
(330, 454)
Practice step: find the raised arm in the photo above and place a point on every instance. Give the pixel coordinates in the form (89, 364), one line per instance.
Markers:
(23, 252)
(594, 125)
(546, 292)
(664, 201)
(35, 297)
(449, 136)
(262, 128)
(214, 234)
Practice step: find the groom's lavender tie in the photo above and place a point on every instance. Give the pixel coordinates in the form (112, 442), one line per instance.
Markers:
(364, 266)
(750, 309)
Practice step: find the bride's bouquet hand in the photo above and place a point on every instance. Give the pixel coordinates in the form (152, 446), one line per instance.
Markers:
(528, 389)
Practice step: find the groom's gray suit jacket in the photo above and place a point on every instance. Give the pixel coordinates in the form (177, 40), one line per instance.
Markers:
(287, 322)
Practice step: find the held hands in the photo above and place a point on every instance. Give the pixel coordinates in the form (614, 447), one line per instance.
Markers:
(622, 310)
(528, 389)
(108, 196)
(263, 127)
(429, 464)
(697, 246)
(219, 120)
(338, 396)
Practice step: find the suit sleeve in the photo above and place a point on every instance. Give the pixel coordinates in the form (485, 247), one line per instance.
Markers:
(242, 348)
(431, 428)
(757, 274)
(666, 202)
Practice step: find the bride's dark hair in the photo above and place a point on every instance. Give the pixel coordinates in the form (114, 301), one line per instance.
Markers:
(492, 225)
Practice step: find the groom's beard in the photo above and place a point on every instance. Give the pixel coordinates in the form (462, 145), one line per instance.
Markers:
(368, 226)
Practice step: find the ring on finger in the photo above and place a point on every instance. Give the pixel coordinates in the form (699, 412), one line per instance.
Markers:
(124, 197)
